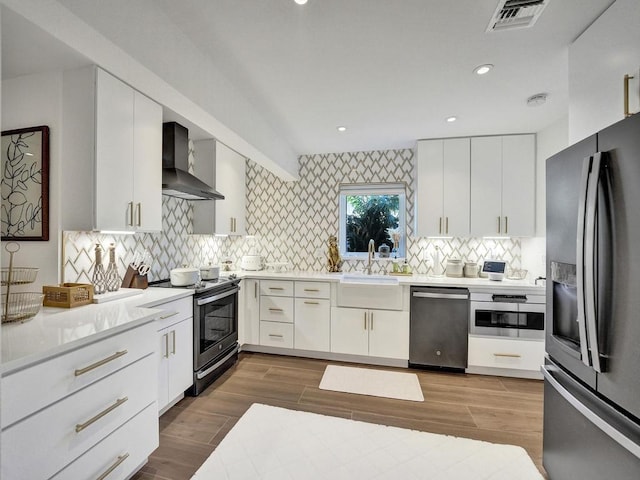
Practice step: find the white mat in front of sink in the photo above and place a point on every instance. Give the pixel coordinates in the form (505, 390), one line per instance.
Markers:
(276, 443)
(378, 383)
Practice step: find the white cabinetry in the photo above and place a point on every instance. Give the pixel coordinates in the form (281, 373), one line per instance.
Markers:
(377, 333)
(443, 179)
(230, 182)
(86, 398)
(112, 143)
(312, 316)
(503, 186)
(506, 353)
(174, 351)
(249, 322)
(276, 313)
(598, 61)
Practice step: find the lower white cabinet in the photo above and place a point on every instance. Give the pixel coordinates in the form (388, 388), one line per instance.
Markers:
(174, 352)
(506, 353)
(379, 333)
(276, 334)
(249, 321)
(312, 324)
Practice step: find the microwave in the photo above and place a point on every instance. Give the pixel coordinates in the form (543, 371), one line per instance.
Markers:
(513, 315)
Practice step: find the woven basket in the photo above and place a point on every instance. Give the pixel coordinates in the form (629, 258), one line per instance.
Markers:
(68, 295)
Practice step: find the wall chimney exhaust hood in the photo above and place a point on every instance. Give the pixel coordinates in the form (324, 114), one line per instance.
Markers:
(176, 179)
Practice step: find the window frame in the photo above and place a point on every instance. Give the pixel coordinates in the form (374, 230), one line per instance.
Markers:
(349, 189)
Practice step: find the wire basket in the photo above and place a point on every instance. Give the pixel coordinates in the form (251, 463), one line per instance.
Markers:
(20, 306)
(517, 274)
(19, 275)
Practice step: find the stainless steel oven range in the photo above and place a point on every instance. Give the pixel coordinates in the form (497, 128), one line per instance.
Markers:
(215, 329)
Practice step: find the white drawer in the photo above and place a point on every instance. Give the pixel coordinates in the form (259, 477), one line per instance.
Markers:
(126, 449)
(280, 288)
(49, 440)
(275, 334)
(33, 388)
(313, 289)
(506, 353)
(174, 312)
(276, 309)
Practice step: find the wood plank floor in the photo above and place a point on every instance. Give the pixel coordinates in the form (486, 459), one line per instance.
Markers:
(494, 409)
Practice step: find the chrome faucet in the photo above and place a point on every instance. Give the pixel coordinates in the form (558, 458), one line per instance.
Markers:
(371, 254)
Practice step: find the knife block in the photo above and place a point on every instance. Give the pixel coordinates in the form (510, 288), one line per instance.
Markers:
(132, 279)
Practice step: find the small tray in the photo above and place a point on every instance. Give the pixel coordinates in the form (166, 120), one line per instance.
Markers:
(68, 295)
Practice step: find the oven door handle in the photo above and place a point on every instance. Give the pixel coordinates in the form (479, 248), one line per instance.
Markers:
(204, 301)
(201, 375)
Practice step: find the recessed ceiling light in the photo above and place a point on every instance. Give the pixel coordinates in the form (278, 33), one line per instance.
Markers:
(342, 128)
(482, 69)
(451, 119)
(301, 2)
(537, 99)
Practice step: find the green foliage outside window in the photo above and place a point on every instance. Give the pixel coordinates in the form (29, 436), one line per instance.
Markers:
(370, 217)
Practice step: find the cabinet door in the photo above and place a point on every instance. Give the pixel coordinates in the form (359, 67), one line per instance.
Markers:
(230, 181)
(429, 188)
(518, 185)
(389, 334)
(486, 186)
(249, 322)
(114, 153)
(180, 357)
(163, 368)
(349, 330)
(312, 324)
(456, 184)
(204, 163)
(147, 169)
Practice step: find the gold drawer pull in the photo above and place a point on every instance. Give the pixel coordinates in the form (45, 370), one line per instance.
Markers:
(510, 355)
(276, 336)
(93, 366)
(311, 290)
(116, 464)
(92, 420)
(311, 303)
(276, 310)
(169, 315)
(276, 288)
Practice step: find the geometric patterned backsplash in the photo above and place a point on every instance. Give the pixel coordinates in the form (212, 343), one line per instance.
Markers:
(288, 222)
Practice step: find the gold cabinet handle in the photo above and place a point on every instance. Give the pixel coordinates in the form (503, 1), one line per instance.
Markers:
(276, 310)
(255, 290)
(311, 303)
(506, 224)
(446, 228)
(166, 345)
(311, 290)
(365, 320)
(115, 465)
(371, 321)
(93, 366)
(276, 288)
(276, 336)
(440, 225)
(173, 314)
(626, 95)
(509, 355)
(94, 419)
(173, 342)
(130, 209)
(139, 214)
(499, 224)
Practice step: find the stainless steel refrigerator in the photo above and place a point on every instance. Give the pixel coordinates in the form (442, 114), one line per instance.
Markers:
(592, 371)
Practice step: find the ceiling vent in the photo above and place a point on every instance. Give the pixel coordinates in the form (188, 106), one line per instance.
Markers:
(512, 14)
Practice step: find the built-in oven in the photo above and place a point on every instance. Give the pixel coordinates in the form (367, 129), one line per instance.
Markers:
(215, 329)
(507, 315)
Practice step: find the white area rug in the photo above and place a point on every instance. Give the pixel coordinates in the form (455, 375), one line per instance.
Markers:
(275, 443)
(379, 383)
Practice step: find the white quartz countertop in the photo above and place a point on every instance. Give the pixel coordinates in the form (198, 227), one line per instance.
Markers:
(473, 284)
(57, 330)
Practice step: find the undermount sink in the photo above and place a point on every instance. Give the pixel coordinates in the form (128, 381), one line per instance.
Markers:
(368, 279)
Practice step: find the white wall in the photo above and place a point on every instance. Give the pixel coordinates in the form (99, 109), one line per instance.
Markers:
(598, 61)
(549, 141)
(30, 101)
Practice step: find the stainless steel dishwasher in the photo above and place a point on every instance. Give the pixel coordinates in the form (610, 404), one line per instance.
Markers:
(439, 327)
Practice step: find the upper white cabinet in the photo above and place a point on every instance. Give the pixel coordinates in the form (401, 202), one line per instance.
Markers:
(443, 177)
(598, 61)
(503, 186)
(230, 181)
(216, 164)
(112, 143)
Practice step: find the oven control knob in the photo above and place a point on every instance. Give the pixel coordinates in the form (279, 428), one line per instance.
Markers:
(438, 352)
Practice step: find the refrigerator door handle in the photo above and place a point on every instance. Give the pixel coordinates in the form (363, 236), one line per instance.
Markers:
(591, 223)
(580, 261)
(627, 443)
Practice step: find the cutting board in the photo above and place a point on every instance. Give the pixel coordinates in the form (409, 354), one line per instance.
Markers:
(117, 295)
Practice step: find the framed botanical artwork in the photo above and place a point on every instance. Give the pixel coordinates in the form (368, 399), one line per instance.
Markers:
(25, 184)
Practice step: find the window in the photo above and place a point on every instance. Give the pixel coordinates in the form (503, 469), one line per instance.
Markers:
(374, 211)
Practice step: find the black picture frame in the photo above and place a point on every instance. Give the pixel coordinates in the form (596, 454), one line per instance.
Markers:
(24, 184)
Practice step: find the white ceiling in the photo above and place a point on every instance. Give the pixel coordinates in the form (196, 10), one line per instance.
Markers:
(389, 70)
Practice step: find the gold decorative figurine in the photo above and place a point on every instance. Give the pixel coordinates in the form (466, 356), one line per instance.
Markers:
(334, 261)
